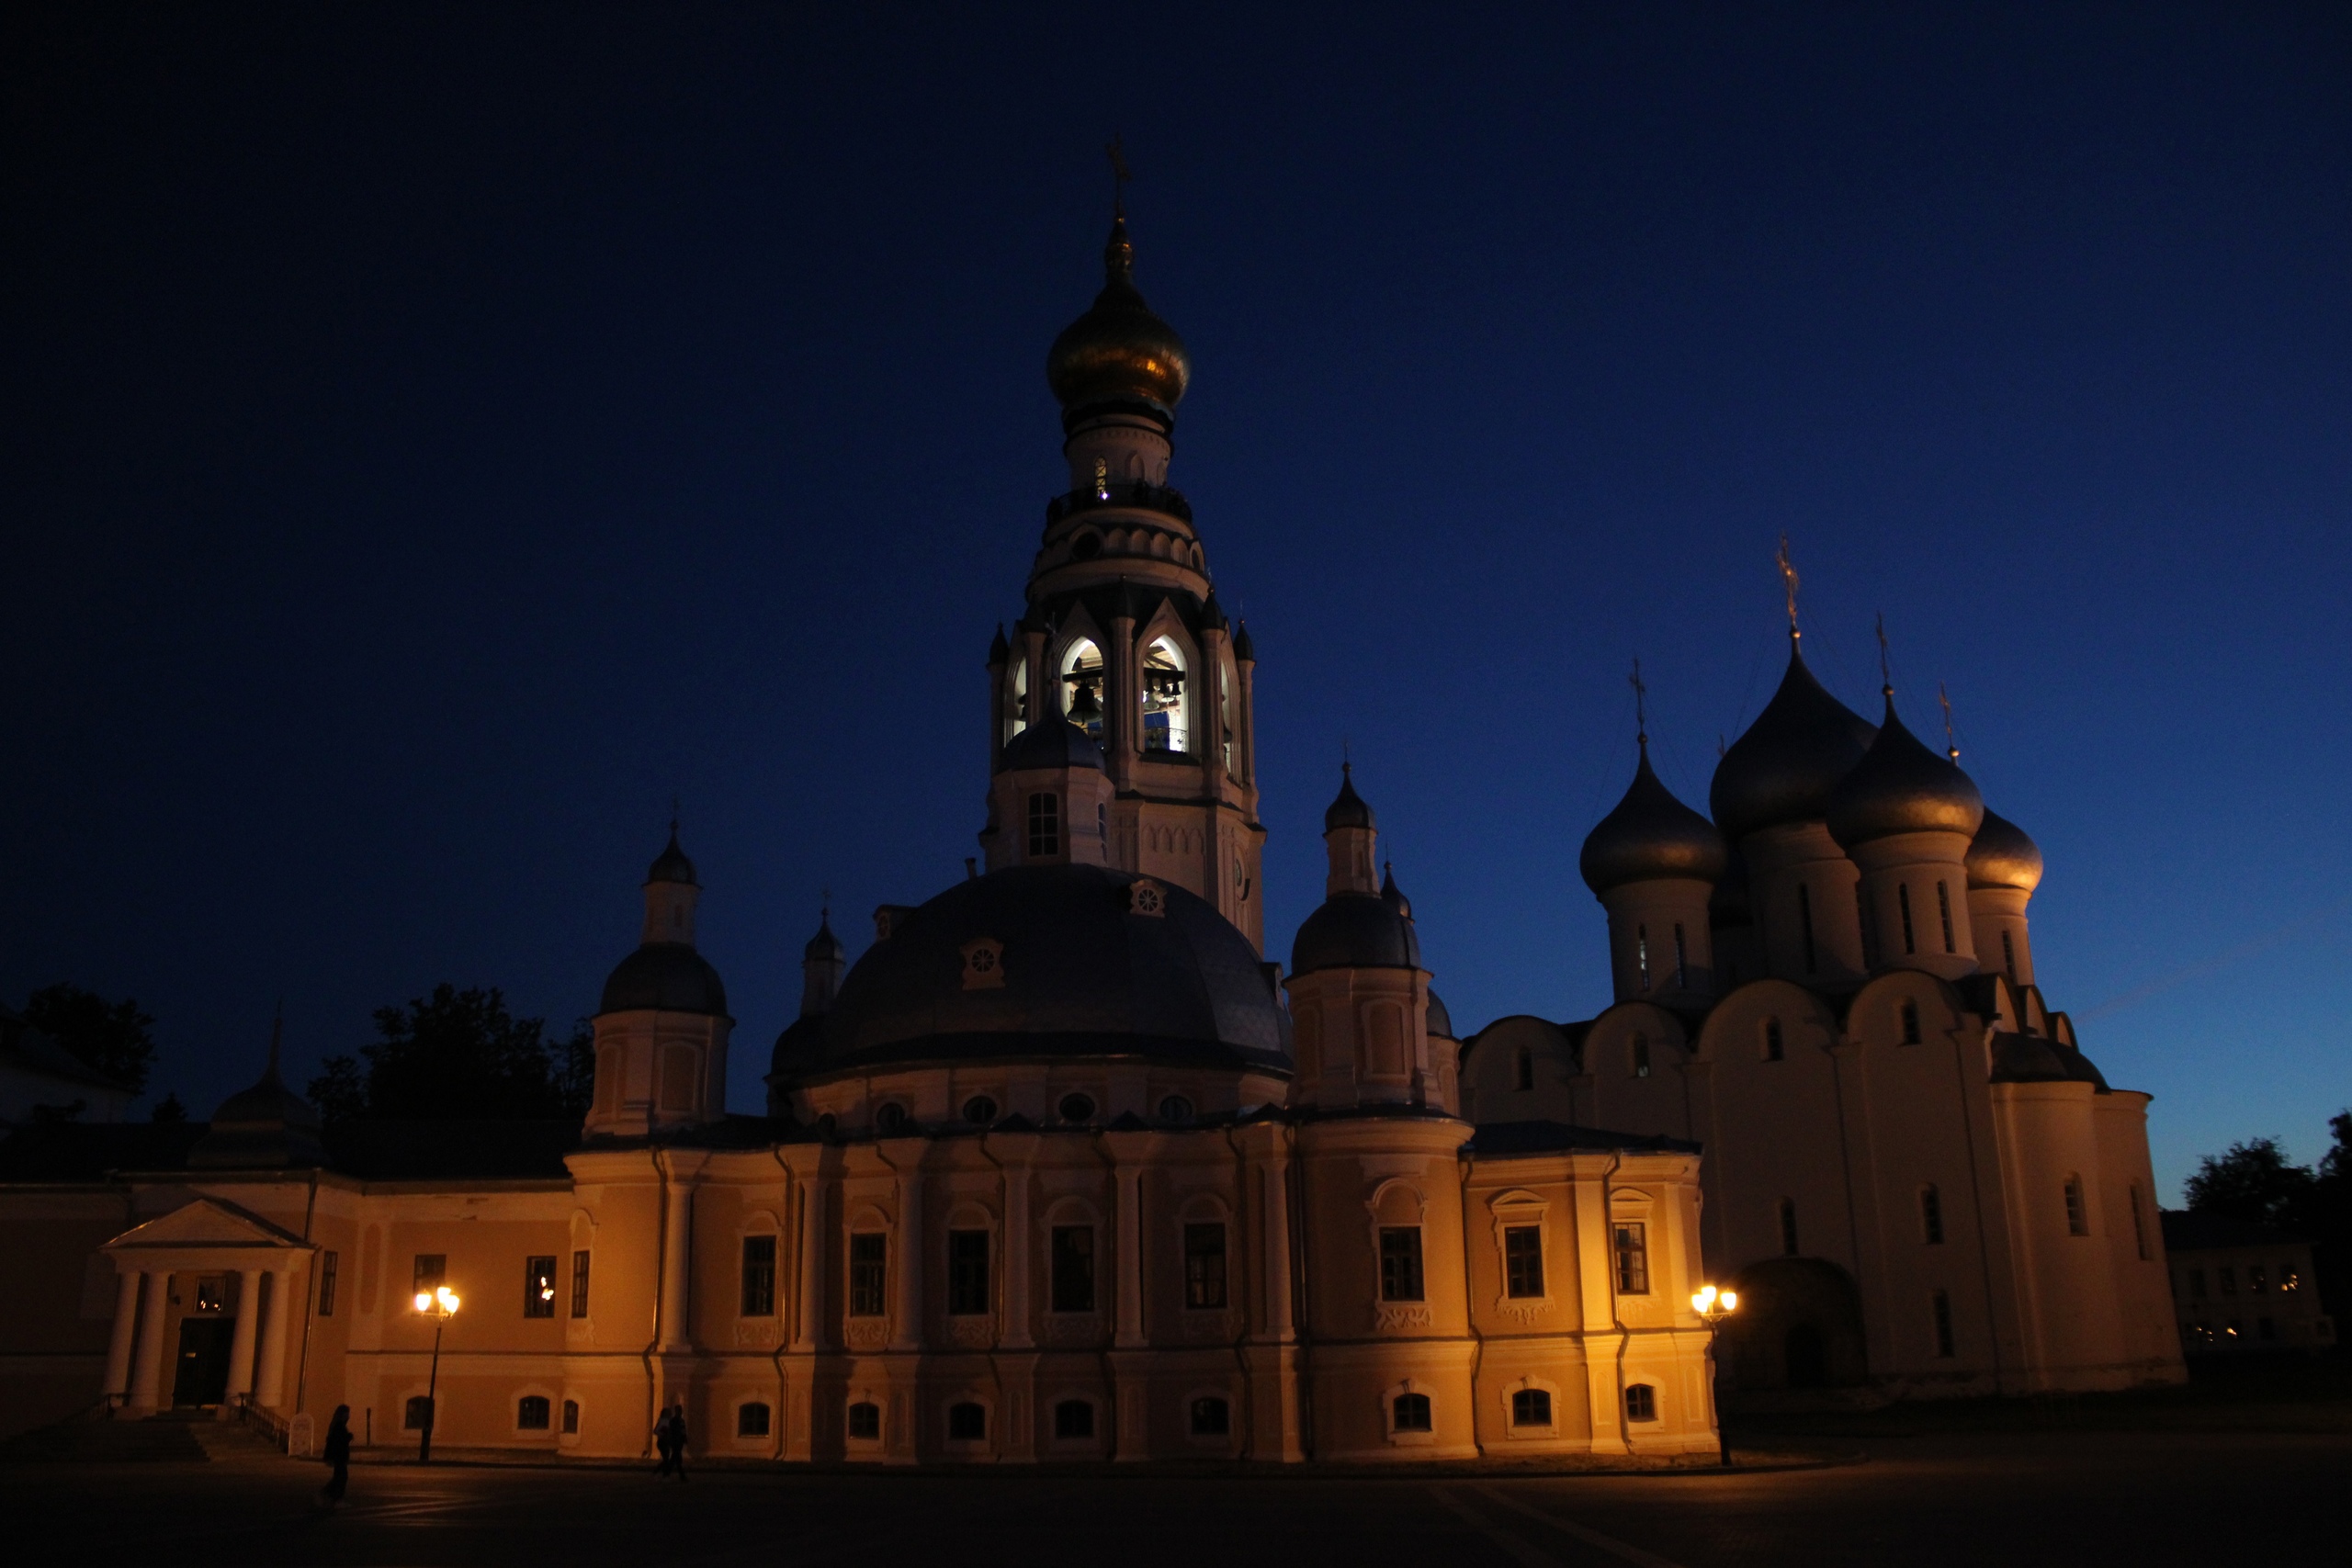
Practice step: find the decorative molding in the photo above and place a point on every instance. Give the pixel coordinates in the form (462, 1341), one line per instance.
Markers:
(1213, 1325)
(1073, 1327)
(759, 1332)
(1524, 1313)
(974, 1333)
(868, 1333)
(1389, 1317)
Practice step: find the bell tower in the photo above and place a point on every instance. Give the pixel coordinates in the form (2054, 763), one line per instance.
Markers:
(1123, 639)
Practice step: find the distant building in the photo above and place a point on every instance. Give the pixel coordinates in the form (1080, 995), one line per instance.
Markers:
(2241, 1287)
(37, 1076)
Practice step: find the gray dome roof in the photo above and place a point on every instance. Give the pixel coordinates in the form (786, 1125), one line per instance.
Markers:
(1900, 786)
(668, 975)
(824, 944)
(1348, 811)
(1783, 768)
(266, 1125)
(1650, 835)
(1355, 930)
(1081, 973)
(672, 864)
(1441, 1021)
(1056, 743)
(2003, 855)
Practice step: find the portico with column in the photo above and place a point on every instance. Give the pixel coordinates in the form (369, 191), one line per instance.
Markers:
(208, 1238)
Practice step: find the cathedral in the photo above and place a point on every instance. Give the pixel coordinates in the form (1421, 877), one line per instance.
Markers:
(1065, 1167)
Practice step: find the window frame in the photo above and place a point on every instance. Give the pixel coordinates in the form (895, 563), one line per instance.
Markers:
(546, 1413)
(2078, 1207)
(539, 1285)
(1523, 1261)
(743, 1419)
(1205, 1278)
(1931, 1216)
(1070, 1272)
(971, 1284)
(867, 1279)
(1641, 1403)
(427, 1272)
(850, 1420)
(329, 1267)
(755, 1278)
(1629, 1264)
(1524, 1402)
(579, 1284)
(1402, 1277)
(1042, 814)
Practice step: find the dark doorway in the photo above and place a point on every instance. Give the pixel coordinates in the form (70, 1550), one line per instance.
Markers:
(203, 1375)
(1808, 1357)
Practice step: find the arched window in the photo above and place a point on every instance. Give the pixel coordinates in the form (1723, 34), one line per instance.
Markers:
(1410, 1413)
(1524, 1070)
(1939, 1317)
(1045, 825)
(979, 1110)
(1931, 1215)
(1772, 1048)
(1642, 956)
(531, 1413)
(1907, 1015)
(572, 1418)
(865, 1422)
(967, 1422)
(1788, 1227)
(417, 1413)
(1903, 901)
(1165, 726)
(1681, 958)
(751, 1419)
(2009, 956)
(1082, 677)
(1641, 1403)
(1175, 1107)
(1531, 1408)
(890, 1116)
(1074, 1418)
(1943, 908)
(2138, 1225)
(1212, 1417)
(1804, 923)
(1016, 707)
(1641, 1055)
(2078, 1213)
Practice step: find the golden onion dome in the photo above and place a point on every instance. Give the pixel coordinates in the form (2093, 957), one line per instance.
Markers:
(1783, 768)
(1901, 786)
(2003, 856)
(1118, 351)
(1650, 836)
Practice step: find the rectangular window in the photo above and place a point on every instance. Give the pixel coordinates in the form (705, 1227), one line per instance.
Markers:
(1633, 1259)
(2078, 1213)
(1941, 1304)
(759, 1276)
(539, 1287)
(869, 1253)
(1804, 924)
(2258, 1280)
(2289, 1280)
(1943, 907)
(580, 1285)
(2009, 956)
(1400, 1263)
(326, 1285)
(968, 1273)
(1642, 956)
(1641, 1055)
(1903, 902)
(1205, 1266)
(1931, 1216)
(1682, 959)
(1073, 1268)
(1523, 1261)
(430, 1272)
(1045, 826)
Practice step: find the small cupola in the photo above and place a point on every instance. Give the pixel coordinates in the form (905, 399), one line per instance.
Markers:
(1783, 767)
(2003, 855)
(1650, 836)
(268, 1126)
(1901, 786)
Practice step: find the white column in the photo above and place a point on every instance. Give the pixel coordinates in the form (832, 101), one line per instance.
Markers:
(809, 1324)
(1017, 1261)
(241, 1350)
(126, 1326)
(146, 1390)
(269, 1385)
(676, 1247)
(908, 1331)
(1130, 1329)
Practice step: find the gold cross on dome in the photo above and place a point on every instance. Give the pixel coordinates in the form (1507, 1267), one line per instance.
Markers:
(1789, 579)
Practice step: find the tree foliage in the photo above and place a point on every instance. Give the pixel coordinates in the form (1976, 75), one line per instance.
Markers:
(459, 1056)
(114, 1040)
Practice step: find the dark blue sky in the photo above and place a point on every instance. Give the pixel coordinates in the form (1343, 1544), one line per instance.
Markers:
(432, 441)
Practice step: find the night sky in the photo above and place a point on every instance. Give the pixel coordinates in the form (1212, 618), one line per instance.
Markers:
(433, 441)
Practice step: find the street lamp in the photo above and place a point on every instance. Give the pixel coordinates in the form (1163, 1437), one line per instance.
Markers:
(1712, 1306)
(442, 1302)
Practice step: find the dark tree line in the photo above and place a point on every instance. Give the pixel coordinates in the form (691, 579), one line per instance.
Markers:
(2256, 1182)
(460, 1056)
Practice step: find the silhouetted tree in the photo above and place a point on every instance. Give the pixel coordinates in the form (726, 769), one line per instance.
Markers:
(458, 1054)
(2252, 1181)
(168, 1109)
(114, 1040)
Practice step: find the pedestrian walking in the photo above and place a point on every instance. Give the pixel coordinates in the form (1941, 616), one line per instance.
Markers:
(337, 1453)
(678, 1442)
(665, 1441)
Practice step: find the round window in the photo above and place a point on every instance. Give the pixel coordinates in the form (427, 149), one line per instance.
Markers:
(1077, 1107)
(1175, 1107)
(979, 1109)
(891, 1117)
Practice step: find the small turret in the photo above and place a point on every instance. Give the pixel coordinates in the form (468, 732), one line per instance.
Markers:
(820, 968)
(662, 1026)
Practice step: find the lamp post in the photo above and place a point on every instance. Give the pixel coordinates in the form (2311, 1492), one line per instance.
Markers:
(1712, 1306)
(442, 1302)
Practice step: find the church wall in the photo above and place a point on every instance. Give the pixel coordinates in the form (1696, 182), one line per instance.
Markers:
(1490, 1090)
(1773, 1132)
(58, 1313)
(2136, 1250)
(2068, 1292)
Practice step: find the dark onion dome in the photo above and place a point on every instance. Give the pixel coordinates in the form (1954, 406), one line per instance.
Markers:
(999, 649)
(824, 944)
(1245, 648)
(1075, 971)
(672, 864)
(1441, 1021)
(801, 1044)
(666, 975)
(1901, 786)
(1355, 930)
(2003, 856)
(1728, 905)
(1392, 895)
(269, 1124)
(1056, 743)
(1785, 766)
(1118, 353)
(1348, 811)
(1650, 835)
